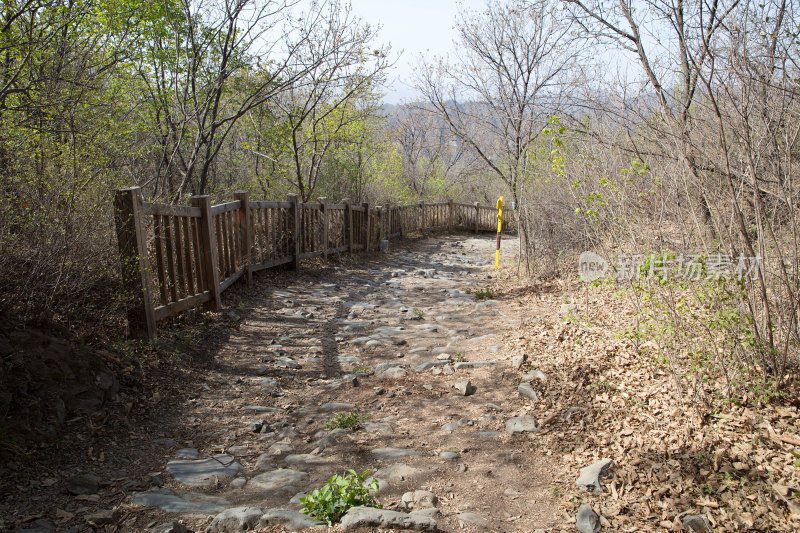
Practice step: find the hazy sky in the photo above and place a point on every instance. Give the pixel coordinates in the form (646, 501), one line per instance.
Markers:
(413, 27)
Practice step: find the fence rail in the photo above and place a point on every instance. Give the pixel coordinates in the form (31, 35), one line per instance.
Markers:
(175, 258)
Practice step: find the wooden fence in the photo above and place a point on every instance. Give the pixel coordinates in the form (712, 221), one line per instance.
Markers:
(176, 258)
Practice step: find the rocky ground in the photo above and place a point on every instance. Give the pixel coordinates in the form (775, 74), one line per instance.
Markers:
(478, 406)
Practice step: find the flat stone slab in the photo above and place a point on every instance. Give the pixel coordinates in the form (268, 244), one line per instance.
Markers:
(430, 364)
(307, 459)
(277, 479)
(360, 517)
(522, 424)
(261, 409)
(290, 520)
(202, 472)
(393, 453)
(180, 502)
(477, 364)
(398, 472)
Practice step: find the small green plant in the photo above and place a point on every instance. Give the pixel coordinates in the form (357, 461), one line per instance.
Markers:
(459, 357)
(351, 420)
(242, 306)
(483, 294)
(361, 370)
(418, 313)
(338, 495)
(555, 491)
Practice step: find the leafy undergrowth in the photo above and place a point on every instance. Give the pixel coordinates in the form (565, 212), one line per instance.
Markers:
(676, 450)
(338, 495)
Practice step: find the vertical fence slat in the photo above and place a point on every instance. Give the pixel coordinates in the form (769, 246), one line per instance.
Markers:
(177, 246)
(187, 256)
(208, 254)
(170, 257)
(159, 250)
(128, 220)
(294, 220)
(199, 272)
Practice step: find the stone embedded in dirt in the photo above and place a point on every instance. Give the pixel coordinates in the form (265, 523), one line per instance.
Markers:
(366, 517)
(240, 450)
(280, 448)
(82, 484)
(430, 364)
(526, 391)
(476, 364)
(235, 520)
(179, 502)
(171, 443)
(393, 453)
(398, 472)
(392, 373)
(380, 429)
(450, 426)
(472, 519)
(331, 438)
(256, 426)
(587, 520)
(278, 479)
(419, 499)
(695, 522)
(589, 478)
(290, 520)
(261, 370)
(202, 472)
(238, 483)
(261, 409)
(102, 518)
(448, 370)
(448, 456)
(465, 388)
(431, 512)
(534, 374)
(487, 434)
(187, 453)
(336, 406)
(517, 361)
(303, 460)
(522, 424)
(170, 527)
(382, 367)
(287, 362)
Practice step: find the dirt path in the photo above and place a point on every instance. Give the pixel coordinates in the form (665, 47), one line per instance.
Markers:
(392, 337)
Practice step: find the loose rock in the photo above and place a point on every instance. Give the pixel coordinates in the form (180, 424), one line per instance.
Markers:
(587, 520)
(236, 520)
(589, 478)
(522, 424)
(466, 388)
(526, 391)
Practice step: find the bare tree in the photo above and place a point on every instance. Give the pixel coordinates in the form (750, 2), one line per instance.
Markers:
(513, 63)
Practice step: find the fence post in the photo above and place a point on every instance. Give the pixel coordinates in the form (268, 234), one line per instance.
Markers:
(294, 217)
(367, 224)
(449, 216)
(348, 225)
(208, 247)
(133, 260)
(477, 215)
(401, 220)
(245, 229)
(323, 204)
(422, 217)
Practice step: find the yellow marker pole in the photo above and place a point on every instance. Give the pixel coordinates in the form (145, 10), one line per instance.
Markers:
(499, 230)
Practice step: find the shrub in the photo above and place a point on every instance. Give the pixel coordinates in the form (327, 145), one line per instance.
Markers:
(338, 495)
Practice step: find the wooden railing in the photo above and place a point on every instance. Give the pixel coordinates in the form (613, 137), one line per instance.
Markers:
(176, 258)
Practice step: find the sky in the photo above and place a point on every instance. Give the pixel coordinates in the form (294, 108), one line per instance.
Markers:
(412, 28)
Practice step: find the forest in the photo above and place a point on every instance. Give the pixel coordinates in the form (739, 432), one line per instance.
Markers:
(642, 128)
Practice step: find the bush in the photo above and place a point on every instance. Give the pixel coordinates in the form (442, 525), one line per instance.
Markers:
(338, 495)
(351, 420)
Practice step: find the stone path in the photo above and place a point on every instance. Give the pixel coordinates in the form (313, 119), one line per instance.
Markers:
(428, 367)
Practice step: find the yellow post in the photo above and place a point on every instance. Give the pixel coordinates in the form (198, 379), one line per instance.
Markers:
(499, 230)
